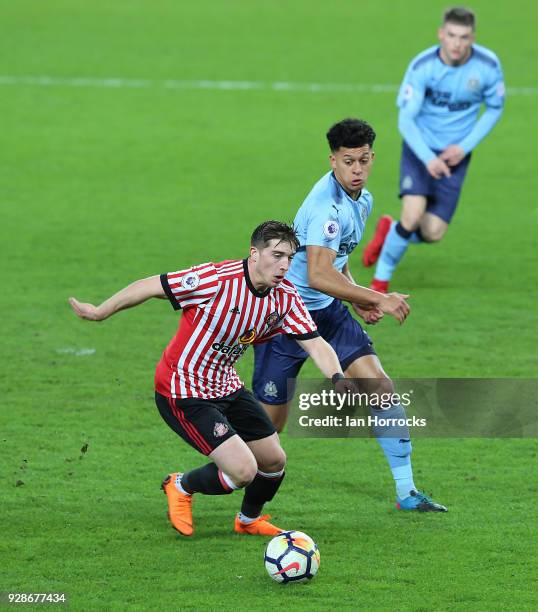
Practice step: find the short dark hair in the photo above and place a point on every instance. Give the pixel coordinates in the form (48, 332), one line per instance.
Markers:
(269, 230)
(350, 133)
(460, 15)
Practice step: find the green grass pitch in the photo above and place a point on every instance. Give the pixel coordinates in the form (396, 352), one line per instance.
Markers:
(103, 182)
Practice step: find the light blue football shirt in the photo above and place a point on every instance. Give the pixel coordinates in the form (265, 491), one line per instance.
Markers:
(439, 104)
(330, 218)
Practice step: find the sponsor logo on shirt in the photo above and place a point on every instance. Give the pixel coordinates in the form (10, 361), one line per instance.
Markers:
(190, 281)
(331, 229)
(248, 336)
(235, 350)
(442, 98)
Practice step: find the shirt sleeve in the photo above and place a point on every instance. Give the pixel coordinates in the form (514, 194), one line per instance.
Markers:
(493, 95)
(323, 228)
(494, 92)
(410, 100)
(297, 323)
(190, 287)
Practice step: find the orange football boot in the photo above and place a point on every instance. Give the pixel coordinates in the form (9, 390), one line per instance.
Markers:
(258, 527)
(179, 505)
(373, 248)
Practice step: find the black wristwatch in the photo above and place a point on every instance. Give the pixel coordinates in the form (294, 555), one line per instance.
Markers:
(336, 377)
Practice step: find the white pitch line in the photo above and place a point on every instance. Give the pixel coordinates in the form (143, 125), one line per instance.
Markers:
(284, 86)
(79, 352)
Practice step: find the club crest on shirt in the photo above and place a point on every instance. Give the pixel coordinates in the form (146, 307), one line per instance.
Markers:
(190, 281)
(248, 336)
(331, 229)
(270, 390)
(473, 84)
(220, 429)
(272, 319)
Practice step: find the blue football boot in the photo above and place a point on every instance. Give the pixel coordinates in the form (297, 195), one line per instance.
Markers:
(420, 502)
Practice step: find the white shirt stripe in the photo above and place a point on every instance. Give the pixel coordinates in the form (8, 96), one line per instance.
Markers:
(222, 317)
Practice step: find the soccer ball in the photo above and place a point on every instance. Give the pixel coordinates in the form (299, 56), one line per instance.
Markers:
(292, 556)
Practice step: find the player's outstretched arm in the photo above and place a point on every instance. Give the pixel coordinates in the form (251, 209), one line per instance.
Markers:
(324, 277)
(323, 355)
(327, 361)
(132, 295)
(481, 128)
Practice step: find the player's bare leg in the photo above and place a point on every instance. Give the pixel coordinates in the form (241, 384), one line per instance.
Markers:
(413, 209)
(432, 227)
(394, 441)
(371, 375)
(269, 454)
(397, 240)
(278, 413)
(235, 459)
(368, 367)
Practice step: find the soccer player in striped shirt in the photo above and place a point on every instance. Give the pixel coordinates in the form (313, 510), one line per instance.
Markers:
(226, 307)
(439, 100)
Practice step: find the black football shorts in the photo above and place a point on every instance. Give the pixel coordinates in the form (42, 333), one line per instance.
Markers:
(206, 423)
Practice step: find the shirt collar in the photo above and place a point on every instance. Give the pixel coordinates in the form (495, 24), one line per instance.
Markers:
(342, 191)
(253, 290)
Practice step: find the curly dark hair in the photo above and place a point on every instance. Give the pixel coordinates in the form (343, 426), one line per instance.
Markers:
(350, 133)
(269, 230)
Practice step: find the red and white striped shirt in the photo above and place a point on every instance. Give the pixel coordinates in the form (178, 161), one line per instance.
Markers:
(223, 314)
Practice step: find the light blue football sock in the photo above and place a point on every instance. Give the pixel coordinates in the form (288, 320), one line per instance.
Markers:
(395, 442)
(393, 250)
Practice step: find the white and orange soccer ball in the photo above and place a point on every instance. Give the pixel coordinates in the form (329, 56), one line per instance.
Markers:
(292, 556)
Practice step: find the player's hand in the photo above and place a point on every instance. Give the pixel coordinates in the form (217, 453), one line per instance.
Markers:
(452, 155)
(345, 386)
(395, 304)
(438, 168)
(85, 311)
(369, 314)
